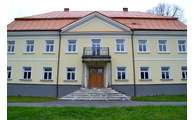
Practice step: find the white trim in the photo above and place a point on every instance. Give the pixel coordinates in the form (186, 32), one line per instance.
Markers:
(14, 46)
(66, 73)
(120, 39)
(32, 59)
(167, 46)
(185, 46)
(143, 59)
(126, 73)
(45, 41)
(22, 76)
(169, 70)
(10, 71)
(149, 73)
(93, 39)
(25, 46)
(181, 72)
(147, 46)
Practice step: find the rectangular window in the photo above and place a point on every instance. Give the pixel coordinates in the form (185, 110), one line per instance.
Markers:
(162, 45)
(165, 72)
(182, 46)
(49, 46)
(144, 72)
(27, 73)
(70, 73)
(120, 45)
(72, 46)
(29, 46)
(9, 72)
(121, 73)
(142, 45)
(10, 46)
(184, 72)
(47, 73)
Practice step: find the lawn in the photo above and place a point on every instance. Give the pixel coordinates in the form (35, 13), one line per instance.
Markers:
(92, 113)
(161, 98)
(26, 99)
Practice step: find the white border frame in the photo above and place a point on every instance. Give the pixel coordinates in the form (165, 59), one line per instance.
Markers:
(170, 73)
(44, 51)
(167, 47)
(125, 46)
(181, 71)
(126, 73)
(25, 45)
(66, 80)
(42, 77)
(11, 72)
(21, 78)
(147, 47)
(67, 45)
(14, 46)
(149, 73)
(185, 46)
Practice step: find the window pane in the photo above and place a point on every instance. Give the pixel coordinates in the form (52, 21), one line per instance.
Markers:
(99, 71)
(144, 47)
(71, 69)
(121, 69)
(8, 68)
(142, 75)
(183, 48)
(32, 48)
(119, 75)
(9, 75)
(92, 71)
(47, 48)
(25, 75)
(162, 42)
(51, 48)
(73, 76)
(167, 75)
(45, 75)
(29, 75)
(140, 47)
(50, 42)
(146, 75)
(122, 47)
(68, 76)
(69, 48)
(118, 47)
(163, 75)
(50, 75)
(144, 69)
(123, 75)
(165, 68)
(47, 69)
(28, 48)
(164, 47)
(160, 48)
(184, 68)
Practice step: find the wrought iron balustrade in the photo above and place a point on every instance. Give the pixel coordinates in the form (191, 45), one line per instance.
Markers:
(96, 51)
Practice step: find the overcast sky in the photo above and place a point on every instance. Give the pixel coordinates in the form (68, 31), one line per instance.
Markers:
(21, 8)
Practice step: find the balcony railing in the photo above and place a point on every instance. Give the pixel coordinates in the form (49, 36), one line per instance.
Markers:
(96, 51)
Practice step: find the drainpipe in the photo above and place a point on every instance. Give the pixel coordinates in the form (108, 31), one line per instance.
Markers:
(58, 62)
(134, 85)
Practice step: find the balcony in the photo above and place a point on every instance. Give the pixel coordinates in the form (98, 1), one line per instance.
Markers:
(96, 54)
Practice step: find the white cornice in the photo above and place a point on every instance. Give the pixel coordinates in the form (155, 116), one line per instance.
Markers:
(170, 33)
(32, 33)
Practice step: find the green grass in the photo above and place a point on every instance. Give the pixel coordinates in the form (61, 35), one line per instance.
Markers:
(25, 99)
(161, 98)
(92, 113)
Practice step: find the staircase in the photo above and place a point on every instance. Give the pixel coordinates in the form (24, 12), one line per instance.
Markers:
(102, 94)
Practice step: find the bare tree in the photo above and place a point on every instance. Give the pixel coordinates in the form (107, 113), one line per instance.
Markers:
(171, 10)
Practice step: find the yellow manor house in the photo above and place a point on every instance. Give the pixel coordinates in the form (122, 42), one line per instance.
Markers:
(136, 53)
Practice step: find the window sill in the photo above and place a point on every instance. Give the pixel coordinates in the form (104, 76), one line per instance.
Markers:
(28, 52)
(167, 52)
(44, 80)
(25, 79)
(70, 80)
(11, 53)
(166, 79)
(182, 52)
(120, 52)
(145, 52)
(9, 79)
(121, 80)
(48, 53)
(71, 52)
(184, 79)
(145, 79)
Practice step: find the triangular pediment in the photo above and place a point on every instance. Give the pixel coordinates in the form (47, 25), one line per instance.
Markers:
(95, 22)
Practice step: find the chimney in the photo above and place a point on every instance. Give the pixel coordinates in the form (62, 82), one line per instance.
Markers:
(125, 9)
(66, 9)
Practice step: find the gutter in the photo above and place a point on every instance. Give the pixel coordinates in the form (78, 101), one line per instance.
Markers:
(134, 80)
(58, 63)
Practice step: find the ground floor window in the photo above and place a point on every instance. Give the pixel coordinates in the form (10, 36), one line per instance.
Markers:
(121, 73)
(144, 73)
(70, 73)
(27, 73)
(184, 72)
(47, 73)
(9, 72)
(165, 71)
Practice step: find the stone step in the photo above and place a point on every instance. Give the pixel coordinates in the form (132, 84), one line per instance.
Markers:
(95, 94)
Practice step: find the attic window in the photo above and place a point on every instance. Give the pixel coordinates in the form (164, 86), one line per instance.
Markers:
(134, 22)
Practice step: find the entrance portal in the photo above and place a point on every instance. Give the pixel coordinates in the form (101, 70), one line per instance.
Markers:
(96, 77)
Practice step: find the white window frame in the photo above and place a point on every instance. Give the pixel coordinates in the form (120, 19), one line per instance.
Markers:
(66, 73)
(166, 44)
(67, 46)
(185, 72)
(43, 73)
(120, 44)
(185, 44)
(26, 45)
(146, 44)
(125, 71)
(9, 71)
(12, 46)
(169, 72)
(148, 71)
(23, 72)
(45, 47)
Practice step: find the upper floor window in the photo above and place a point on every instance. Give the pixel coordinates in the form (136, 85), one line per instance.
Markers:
(120, 45)
(72, 47)
(29, 46)
(182, 46)
(10, 46)
(144, 73)
(142, 46)
(9, 69)
(49, 46)
(27, 73)
(184, 72)
(165, 72)
(162, 46)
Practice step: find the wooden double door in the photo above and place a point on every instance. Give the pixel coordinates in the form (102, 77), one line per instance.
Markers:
(96, 77)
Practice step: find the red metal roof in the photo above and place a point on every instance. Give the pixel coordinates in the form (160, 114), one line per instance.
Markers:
(59, 19)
